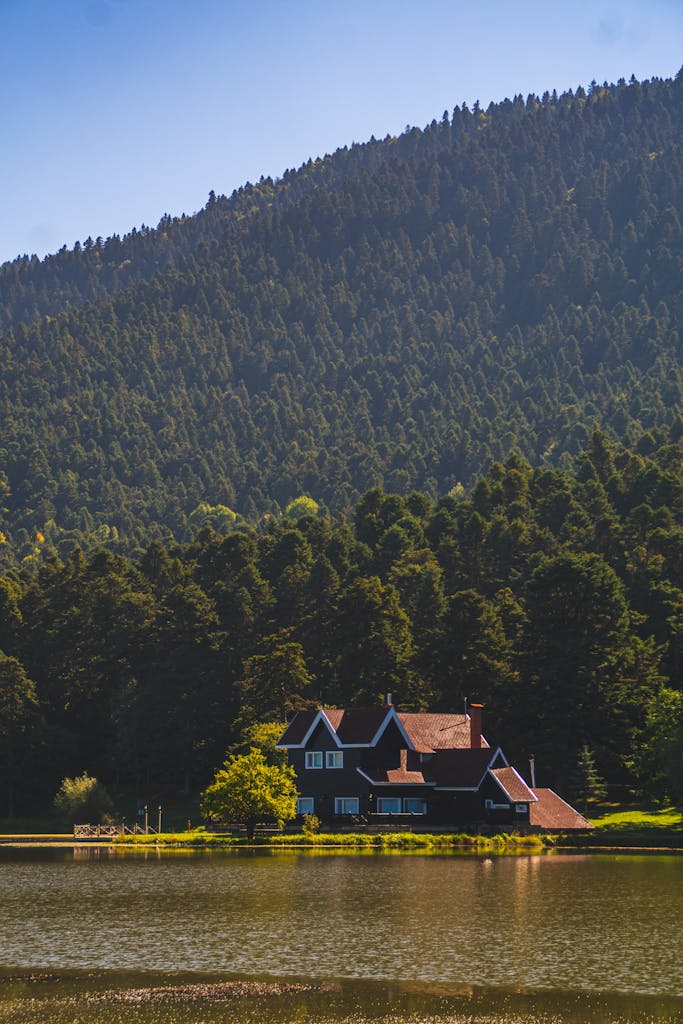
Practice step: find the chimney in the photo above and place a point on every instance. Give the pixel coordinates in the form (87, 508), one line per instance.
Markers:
(475, 725)
(532, 769)
(387, 702)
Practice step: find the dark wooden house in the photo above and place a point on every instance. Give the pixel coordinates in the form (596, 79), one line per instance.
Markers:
(386, 766)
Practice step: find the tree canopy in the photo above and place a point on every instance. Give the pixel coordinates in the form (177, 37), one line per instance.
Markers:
(553, 597)
(249, 790)
(399, 314)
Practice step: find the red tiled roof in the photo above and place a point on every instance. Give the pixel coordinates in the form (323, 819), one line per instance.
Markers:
(459, 769)
(396, 777)
(427, 732)
(430, 732)
(552, 812)
(513, 785)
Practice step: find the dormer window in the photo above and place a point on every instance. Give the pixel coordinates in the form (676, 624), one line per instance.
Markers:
(334, 759)
(314, 758)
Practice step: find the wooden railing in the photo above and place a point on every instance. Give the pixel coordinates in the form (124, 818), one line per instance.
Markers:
(98, 831)
(110, 831)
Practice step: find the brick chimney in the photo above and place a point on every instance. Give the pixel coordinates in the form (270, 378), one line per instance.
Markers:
(475, 725)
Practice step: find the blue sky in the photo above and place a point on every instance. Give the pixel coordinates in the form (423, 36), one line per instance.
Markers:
(115, 112)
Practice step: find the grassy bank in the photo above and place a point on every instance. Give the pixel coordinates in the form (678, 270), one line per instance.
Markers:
(345, 840)
(637, 827)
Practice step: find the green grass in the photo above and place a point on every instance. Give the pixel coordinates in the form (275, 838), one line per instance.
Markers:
(345, 840)
(639, 819)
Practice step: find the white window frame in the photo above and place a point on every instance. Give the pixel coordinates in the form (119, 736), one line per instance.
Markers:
(305, 805)
(332, 756)
(491, 805)
(383, 802)
(314, 758)
(521, 808)
(414, 800)
(342, 808)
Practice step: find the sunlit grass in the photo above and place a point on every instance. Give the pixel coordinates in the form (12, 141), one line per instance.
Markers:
(640, 818)
(356, 840)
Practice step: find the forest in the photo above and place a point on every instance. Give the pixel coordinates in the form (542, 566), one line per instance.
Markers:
(403, 315)
(551, 595)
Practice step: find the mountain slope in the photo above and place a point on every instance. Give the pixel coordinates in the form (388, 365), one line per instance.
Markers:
(400, 313)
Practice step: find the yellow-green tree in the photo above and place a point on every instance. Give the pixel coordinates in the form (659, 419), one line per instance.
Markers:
(248, 789)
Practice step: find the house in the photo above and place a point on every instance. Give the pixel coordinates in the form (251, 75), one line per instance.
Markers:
(383, 765)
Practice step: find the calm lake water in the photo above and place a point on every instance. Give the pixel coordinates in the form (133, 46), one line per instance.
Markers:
(430, 937)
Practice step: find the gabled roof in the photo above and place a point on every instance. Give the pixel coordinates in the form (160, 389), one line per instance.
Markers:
(552, 812)
(350, 727)
(429, 732)
(513, 785)
(356, 725)
(446, 769)
(463, 768)
(297, 729)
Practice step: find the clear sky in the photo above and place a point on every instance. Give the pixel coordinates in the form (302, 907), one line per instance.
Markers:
(115, 112)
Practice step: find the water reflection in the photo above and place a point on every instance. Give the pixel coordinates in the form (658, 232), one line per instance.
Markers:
(584, 922)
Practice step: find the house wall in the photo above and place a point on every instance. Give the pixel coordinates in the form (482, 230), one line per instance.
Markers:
(324, 784)
(443, 807)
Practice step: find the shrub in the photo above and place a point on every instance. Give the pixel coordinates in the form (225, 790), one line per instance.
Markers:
(310, 825)
(83, 800)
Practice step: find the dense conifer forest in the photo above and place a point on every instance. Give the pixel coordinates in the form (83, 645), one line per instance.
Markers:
(552, 596)
(407, 420)
(399, 314)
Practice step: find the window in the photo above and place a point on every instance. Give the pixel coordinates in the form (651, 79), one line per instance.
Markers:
(334, 759)
(346, 805)
(414, 805)
(521, 808)
(388, 805)
(492, 806)
(314, 758)
(305, 805)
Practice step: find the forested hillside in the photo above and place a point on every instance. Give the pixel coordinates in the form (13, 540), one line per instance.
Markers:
(553, 597)
(399, 314)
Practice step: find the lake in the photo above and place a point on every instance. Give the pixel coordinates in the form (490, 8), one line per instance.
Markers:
(549, 937)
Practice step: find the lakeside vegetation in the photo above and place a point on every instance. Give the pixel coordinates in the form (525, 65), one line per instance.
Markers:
(503, 842)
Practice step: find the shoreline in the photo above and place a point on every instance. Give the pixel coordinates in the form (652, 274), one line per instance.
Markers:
(397, 842)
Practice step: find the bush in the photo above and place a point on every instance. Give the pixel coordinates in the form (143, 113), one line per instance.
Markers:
(83, 800)
(310, 824)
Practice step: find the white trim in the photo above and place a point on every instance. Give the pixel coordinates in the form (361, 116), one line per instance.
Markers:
(341, 814)
(394, 799)
(490, 805)
(391, 716)
(504, 790)
(329, 754)
(313, 767)
(475, 789)
(320, 717)
(406, 799)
